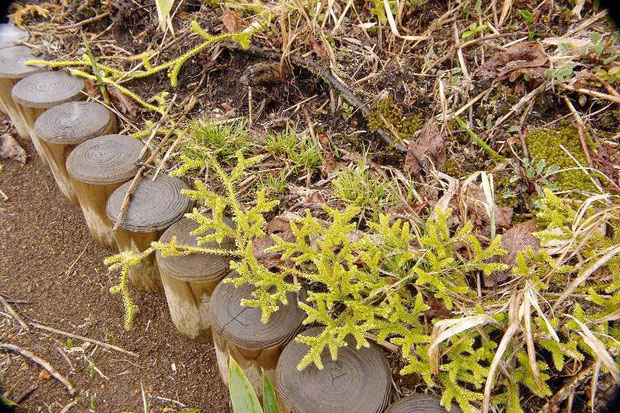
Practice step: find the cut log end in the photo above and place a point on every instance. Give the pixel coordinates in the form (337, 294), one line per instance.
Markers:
(72, 123)
(423, 403)
(189, 280)
(242, 325)
(47, 89)
(13, 62)
(154, 205)
(358, 381)
(11, 34)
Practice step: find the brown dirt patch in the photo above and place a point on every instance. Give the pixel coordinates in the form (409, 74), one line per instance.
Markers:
(48, 260)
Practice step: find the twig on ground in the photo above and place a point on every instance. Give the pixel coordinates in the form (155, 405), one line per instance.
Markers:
(89, 340)
(552, 405)
(77, 259)
(51, 370)
(13, 313)
(84, 22)
(592, 93)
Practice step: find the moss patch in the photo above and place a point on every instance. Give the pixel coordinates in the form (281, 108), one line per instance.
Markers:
(406, 126)
(546, 144)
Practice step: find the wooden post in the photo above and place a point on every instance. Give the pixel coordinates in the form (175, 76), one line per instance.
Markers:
(189, 280)
(40, 91)
(62, 128)
(239, 332)
(13, 68)
(358, 381)
(11, 34)
(423, 403)
(154, 206)
(97, 168)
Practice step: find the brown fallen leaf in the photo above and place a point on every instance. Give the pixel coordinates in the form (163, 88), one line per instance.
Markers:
(315, 200)
(10, 149)
(518, 238)
(262, 74)
(519, 59)
(232, 21)
(428, 147)
(478, 214)
(127, 106)
(278, 226)
(44, 375)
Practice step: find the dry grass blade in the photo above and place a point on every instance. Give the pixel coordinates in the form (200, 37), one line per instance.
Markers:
(529, 339)
(599, 349)
(506, 7)
(501, 349)
(445, 329)
(609, 254)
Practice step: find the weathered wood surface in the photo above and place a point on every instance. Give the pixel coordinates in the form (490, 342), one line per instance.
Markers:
(62, 128)
(154, 206)
(239, 332)
(189, 280)
(358, 381)
(97, 168)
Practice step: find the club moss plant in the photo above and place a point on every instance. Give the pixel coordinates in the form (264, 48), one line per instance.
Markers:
(414, 288)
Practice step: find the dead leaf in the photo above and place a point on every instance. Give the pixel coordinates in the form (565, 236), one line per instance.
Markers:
(318, 49)
(127, 106)
(330, 164)
(44, 375)
(315, 200)
(10, 149)
(262, 74)
(519, 238)
(519, 59)
(29, 10)
(476, 200)
(279, 226)
(428, 147)
(91, 89)
(232, 21)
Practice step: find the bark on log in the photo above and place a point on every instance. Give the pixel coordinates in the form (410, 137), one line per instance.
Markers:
(422, 403)
(358, 381)
(62, 128)
(154, 206)
(97, 168)
(13, 68)
(239, 332)
(38, 92)
(189, 280)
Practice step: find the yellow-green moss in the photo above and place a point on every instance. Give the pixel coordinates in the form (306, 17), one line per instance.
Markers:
(406, 126)
(545, 144)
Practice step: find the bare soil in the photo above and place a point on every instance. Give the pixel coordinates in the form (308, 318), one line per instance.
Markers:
(50, 264)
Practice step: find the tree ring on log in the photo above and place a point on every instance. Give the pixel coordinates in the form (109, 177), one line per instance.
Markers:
(13, 62)
(197, 267)
(154, 205)
(72, 123)
(420, 403)
(11, 34)
(242, 325)
(46, 89)
(105, 160)
(358, 381)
